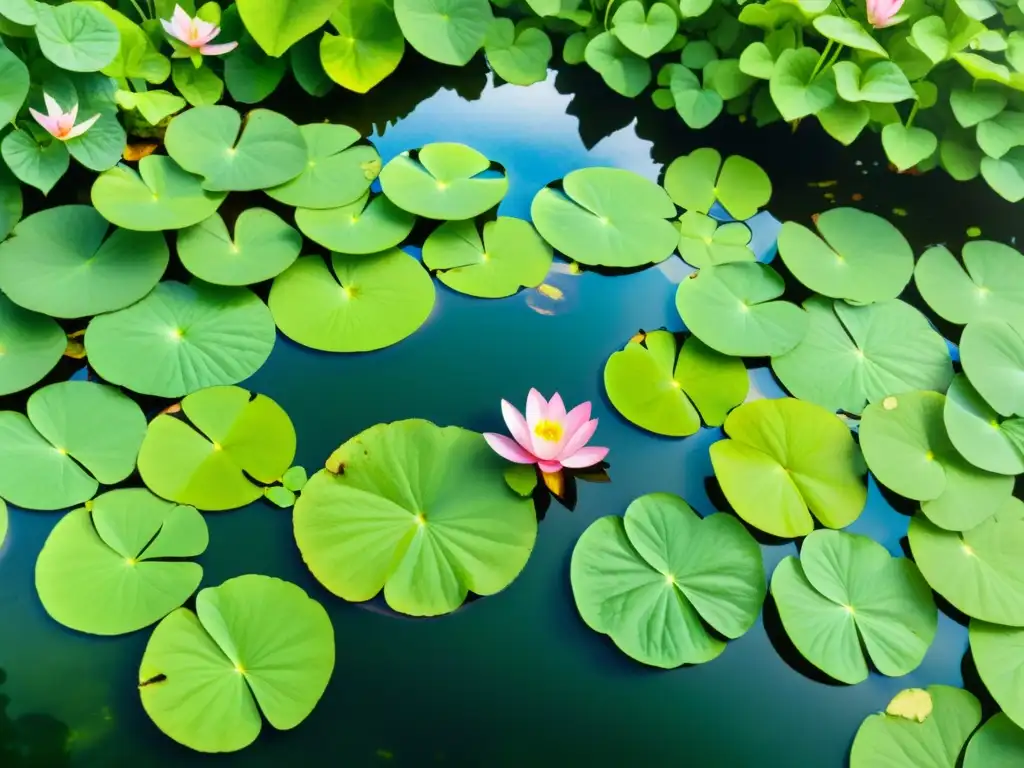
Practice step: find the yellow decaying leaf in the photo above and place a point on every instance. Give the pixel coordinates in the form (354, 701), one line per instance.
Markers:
(911, 704)
(75, 349)
(555, 481)
(550, 291)
(135, 152)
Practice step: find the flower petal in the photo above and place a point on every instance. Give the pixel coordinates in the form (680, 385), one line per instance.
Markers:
(578, 439)
(516, 424)
(575, 419)
(508, 449)
(53, 109)
(49, 123)
(550, 467)
(536, 409)
(182, 23)
(585, 457)
(205, 31)
(218, 49)
(81, 128)
(556, 408)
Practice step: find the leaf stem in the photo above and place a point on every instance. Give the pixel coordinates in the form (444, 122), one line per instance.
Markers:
(608, 12)
(138, 9)
(839, 7)
(913, 113)
(832, 60)
(821, 59)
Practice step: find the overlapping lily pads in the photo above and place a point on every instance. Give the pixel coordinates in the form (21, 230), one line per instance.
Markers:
(117, 565)
(703, 242)
(254, 644)
(662, 392)
(418, 511)
(999, 656)
(788, 462)
(999, 743)
(31, 344)
(992, 355)
(695, 181)
(233, 439)
(979, 434)
(371, 224)
(988, 285)
(651, 579)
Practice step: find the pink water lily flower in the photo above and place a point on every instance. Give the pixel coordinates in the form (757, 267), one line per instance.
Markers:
(881, 12)
(61, 124)
(548, 436)
(195, 33)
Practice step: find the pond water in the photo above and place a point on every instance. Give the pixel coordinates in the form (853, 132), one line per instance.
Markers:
(517, 678)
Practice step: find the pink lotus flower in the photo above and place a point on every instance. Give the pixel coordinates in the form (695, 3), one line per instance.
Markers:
(61, 124)
(881, 13)
(195, 33)
(548, 436)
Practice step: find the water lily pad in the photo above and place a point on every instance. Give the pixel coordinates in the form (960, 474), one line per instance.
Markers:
(644, 32)
(695, 181)
(278, 24)
(338, 170)
(232, 438)
(999, 743)
(906, 147)
(39, 165)
(787, 460)
(509, 256)
(999, 656)
(30, 346)
(735, 309)
(61, 262)
(443, 181)
(76, 435)
(988, 285)
(263, 247)
(845, 598)
(255, 644)
(703, 242)
(518, 55)
(368, 47)
(621, 69)
(979, 434)
(356, 304)
(76, 37)
(212, 142)
(852, 356)
(15, 78)
(607, 217)
(181, 338)
(650, 579)
(795, 90)
(979, 571)
(448, 31)
(420, 511)
(653, 389)
(160, 195)
(117, 565)
(992, 355)
(859, 256)
(369, 225)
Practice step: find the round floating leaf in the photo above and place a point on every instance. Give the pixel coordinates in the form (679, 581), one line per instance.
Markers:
(442, 181)
(852, 356)
(607, 217)
(60, 262)
(11, 203)
(510, 255)
(263, 247)
(733, 309)
(650, 387)
(181, 338)
(988, 285)
(107, 569)
(420, 511)
(518, 56)
(14, 85)
(368, 47)
(39, 165)
(30, 345)
(644, 33)
(278, 24)
(647, 580)
(906, 448)
(695, 181)
(159, 196)
(76, 37)
(786, 460)
(992, 356)
(255, 644)
(846, 593)
(999, 743)
(268, 150)
(979, 434)
(859, 257)
(234, 435)
(448, 31)
(356, 304)
(935, 742)
(705, 243)
(979, 571)
(369, 225)
(76, 433)
(999, 656)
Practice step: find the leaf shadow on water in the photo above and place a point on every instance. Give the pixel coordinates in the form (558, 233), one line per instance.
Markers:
(33, 740)
(974, 684)
(941, 603)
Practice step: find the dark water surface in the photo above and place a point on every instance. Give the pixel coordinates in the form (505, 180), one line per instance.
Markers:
(516, 679)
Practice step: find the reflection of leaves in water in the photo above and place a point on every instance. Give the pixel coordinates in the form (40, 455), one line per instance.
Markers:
(600, 110)
(32, 740)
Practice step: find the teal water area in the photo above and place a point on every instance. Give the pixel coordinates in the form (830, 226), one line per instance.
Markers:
(515, 679)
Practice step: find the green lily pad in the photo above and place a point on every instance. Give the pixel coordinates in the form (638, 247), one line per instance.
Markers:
(369, 225)
(935, 742)
(906, 147)
(651, 578)
(295, 479)
(232, 438)
(859, 257)
(368, 47)
(972, 106)
(35, 164)
(15, 78)
(735, 309)
(356, 304)
(76, 37)
(255, 644)
(979, 434)
(420, 511)
(844, 121)
(11, 202)
(697, 106)
(621, 69)
(77, 434)
(278, 24)
(160, 195)
(881, 83)
(200, 87)
(845, 598)
(703, 242)
(999, 743)
(644, 32)
(979, 571)
(212, 142)
(662, 393)
(787, 460)
(848, 32)
(30, 346)
(114, 566)
(263, 247)
(518, 55)
(999, 656)
(988, 285)
(61, 263)
(509, 256)
(695, 181)
(1006, 174)
(181, 338)
(852, 356)
(607, 217)
(442, 181)
(447, 31)
(992, 356)
(792, 88)
(338, 171)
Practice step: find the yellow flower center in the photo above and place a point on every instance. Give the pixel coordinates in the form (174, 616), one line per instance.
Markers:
(548, 430)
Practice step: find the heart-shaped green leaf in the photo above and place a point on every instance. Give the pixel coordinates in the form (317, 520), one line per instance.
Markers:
(263, 246)
(621, 69)
(644, 35)
(368, 47)
(278, 24)
(882, 83)
(794, 91)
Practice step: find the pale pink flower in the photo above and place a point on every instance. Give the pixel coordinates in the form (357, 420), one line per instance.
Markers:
(548, 436)
(61, 124)
(195, 33)
(881, 12)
